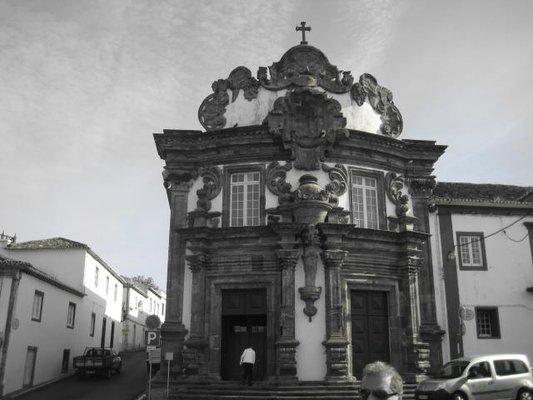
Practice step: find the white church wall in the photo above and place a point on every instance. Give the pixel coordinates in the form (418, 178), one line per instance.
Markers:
(310, 353)
(502, 285)
(244, 112)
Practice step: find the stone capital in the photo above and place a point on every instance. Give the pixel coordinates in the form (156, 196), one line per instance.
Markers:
(179, 180)
(196, 262)
(421, 186)
(334, 258)
(288, 257)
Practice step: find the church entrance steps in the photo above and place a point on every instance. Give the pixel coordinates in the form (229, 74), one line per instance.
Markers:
(263, 391)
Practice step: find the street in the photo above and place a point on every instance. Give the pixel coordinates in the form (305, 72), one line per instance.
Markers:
(125, 386)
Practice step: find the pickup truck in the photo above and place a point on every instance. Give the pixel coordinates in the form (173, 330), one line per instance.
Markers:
(97, 361)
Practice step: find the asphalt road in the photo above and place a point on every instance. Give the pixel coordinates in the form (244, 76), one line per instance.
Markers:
(125, 386)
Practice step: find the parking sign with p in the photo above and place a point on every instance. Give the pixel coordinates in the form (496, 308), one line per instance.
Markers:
(153, 338)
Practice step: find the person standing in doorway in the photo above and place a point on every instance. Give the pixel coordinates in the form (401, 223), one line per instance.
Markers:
(247, 364)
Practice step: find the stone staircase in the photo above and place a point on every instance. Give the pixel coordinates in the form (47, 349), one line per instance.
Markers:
(263, 391)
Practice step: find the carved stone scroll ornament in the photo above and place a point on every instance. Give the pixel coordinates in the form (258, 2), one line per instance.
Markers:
(394, 184)
(305, 66)
(310, 293)
(308, 123)
(212, 180)
(380, 99)
(212, 110)
(276, 175)
(339, 181)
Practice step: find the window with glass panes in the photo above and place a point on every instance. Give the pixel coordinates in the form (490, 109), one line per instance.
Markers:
(71, 315)
(487, 323)
(37, 307)
(470, 249)
(245, 193)
(365, 201)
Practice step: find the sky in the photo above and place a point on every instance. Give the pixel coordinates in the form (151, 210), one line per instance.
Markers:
(85, 84)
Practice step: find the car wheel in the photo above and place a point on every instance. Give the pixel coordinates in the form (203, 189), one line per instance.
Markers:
(524, 395)
(459, 396)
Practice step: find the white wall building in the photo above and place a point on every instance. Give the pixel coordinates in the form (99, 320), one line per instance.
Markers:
(482, 258)
(54, 274)
(139, 302)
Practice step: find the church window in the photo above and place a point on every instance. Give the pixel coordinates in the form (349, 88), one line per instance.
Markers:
(487, 323)
(471, 249)
(365, 201)
(245, 199)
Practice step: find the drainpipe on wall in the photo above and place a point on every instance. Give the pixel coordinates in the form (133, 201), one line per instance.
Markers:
(7, 332)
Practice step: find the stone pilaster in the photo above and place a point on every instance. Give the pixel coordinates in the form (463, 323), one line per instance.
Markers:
(194, 356)
(416, 352)
(286, 343)
(173, 331)
(421, 189)
(336, 342)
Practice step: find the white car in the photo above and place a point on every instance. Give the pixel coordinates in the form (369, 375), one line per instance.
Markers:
(489, 377)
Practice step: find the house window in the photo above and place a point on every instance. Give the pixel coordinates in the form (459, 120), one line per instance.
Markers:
(107, 285)
(365, 213)
(163, 309)
(115, 291)
(245, 194)
(71, 315)
(64, 362)
(96, 271)
(150, 305)
(37, 308)
(471, 249)
(92, 324)
(487, 323)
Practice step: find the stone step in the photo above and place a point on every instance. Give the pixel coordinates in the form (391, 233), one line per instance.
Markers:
(263, 391)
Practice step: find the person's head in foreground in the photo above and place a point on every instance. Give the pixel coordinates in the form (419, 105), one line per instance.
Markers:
(381, 382)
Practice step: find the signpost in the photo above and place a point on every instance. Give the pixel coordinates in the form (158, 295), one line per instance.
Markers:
(169, 356)
(152, 340)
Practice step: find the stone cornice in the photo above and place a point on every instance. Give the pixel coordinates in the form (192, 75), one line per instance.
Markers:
(192, 149)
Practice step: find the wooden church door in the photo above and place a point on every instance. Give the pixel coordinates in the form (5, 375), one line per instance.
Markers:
(243, 322)
(370, 329)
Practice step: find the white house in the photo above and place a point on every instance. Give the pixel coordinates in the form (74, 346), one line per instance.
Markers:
(54, 274)
(139, 302)
(482, 257)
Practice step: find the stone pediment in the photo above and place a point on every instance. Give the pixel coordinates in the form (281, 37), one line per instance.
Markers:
(305, 66)
(243, 100)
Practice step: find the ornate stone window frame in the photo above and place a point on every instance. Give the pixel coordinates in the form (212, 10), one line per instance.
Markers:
(380, 178)
(462, 267)
(226, 196)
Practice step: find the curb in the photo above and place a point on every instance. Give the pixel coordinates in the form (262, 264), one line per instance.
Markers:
(142, 396)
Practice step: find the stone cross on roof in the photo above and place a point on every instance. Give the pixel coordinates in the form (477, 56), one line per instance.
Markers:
(303, 28)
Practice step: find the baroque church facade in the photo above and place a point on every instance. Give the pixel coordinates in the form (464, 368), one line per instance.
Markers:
(299, 223)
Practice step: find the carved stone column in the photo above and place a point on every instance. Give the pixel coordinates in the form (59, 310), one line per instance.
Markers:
(286, 343)
(421, 189)
(336, 343)
(416, 352)
(194, 355)
(173, 331)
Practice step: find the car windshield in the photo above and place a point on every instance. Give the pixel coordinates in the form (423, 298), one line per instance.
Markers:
(453, 369)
